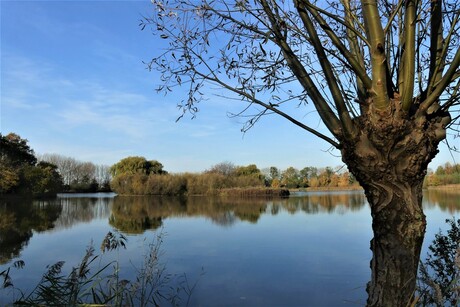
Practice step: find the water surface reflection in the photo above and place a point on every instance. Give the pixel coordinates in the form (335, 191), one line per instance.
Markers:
(309, 249)
(19, 218)
(134, 214)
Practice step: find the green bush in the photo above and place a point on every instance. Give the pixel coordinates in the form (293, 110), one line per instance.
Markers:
(439, 278)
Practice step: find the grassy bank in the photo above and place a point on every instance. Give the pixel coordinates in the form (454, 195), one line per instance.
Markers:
(254, 192)
(347, 188)
(447, 187)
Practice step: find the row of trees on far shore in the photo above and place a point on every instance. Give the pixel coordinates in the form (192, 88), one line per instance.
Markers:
(23, 172)
(138, 176)
(139, 180)
(443, 175)
(135, 176)
(78, 176)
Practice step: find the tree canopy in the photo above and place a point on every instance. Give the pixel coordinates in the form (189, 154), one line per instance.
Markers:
(382, 76)
(15, 151)
(136, 165)
(21, 174)
(348, 58)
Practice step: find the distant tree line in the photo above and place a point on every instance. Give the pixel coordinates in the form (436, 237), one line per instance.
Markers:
(138, 176)
(310, 177)
(24, 173)
(135, 176)
(80, 176)
(443, 175)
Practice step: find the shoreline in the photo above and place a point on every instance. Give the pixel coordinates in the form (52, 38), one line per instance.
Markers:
(326, 189)
(257, 191)
(446, 187)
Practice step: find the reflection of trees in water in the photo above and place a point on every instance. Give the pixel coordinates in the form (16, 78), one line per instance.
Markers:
(226, 219)
(226, 211)
(134, 214)
(243, 209)
(19, 217)
(333, 202)
(320, 203)
(77, 210)
(446, 200)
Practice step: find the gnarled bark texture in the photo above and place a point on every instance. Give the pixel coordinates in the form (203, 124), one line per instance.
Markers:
(389, 157)
(398, 236)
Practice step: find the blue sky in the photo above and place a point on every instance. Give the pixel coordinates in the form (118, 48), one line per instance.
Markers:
(73, 83)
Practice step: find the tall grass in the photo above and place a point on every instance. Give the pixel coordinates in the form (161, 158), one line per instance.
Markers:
(257, 192)
(90, 283)
(181, 184)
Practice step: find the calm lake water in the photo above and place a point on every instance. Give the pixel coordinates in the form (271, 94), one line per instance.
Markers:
(311, 249)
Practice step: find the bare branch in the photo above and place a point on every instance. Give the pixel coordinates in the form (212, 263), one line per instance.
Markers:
(344, 116)
(443, 83)
(408, 56)
(376, 39)
(347, 64)
(325, 112)
(274, 110)
(352, 59)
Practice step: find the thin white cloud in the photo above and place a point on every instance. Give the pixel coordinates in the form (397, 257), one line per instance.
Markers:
(85, 114)
(114, 54)
(203, 131)
(23, 103)
(23, 78)
(72, 104)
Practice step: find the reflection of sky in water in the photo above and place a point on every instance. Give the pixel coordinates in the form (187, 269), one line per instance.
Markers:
(301, 251)
(282, 260)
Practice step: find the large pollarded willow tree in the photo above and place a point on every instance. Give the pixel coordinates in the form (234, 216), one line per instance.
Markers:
(383, 77)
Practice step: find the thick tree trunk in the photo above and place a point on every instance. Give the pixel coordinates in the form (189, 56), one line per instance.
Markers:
(399, 229)
(389, 157)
